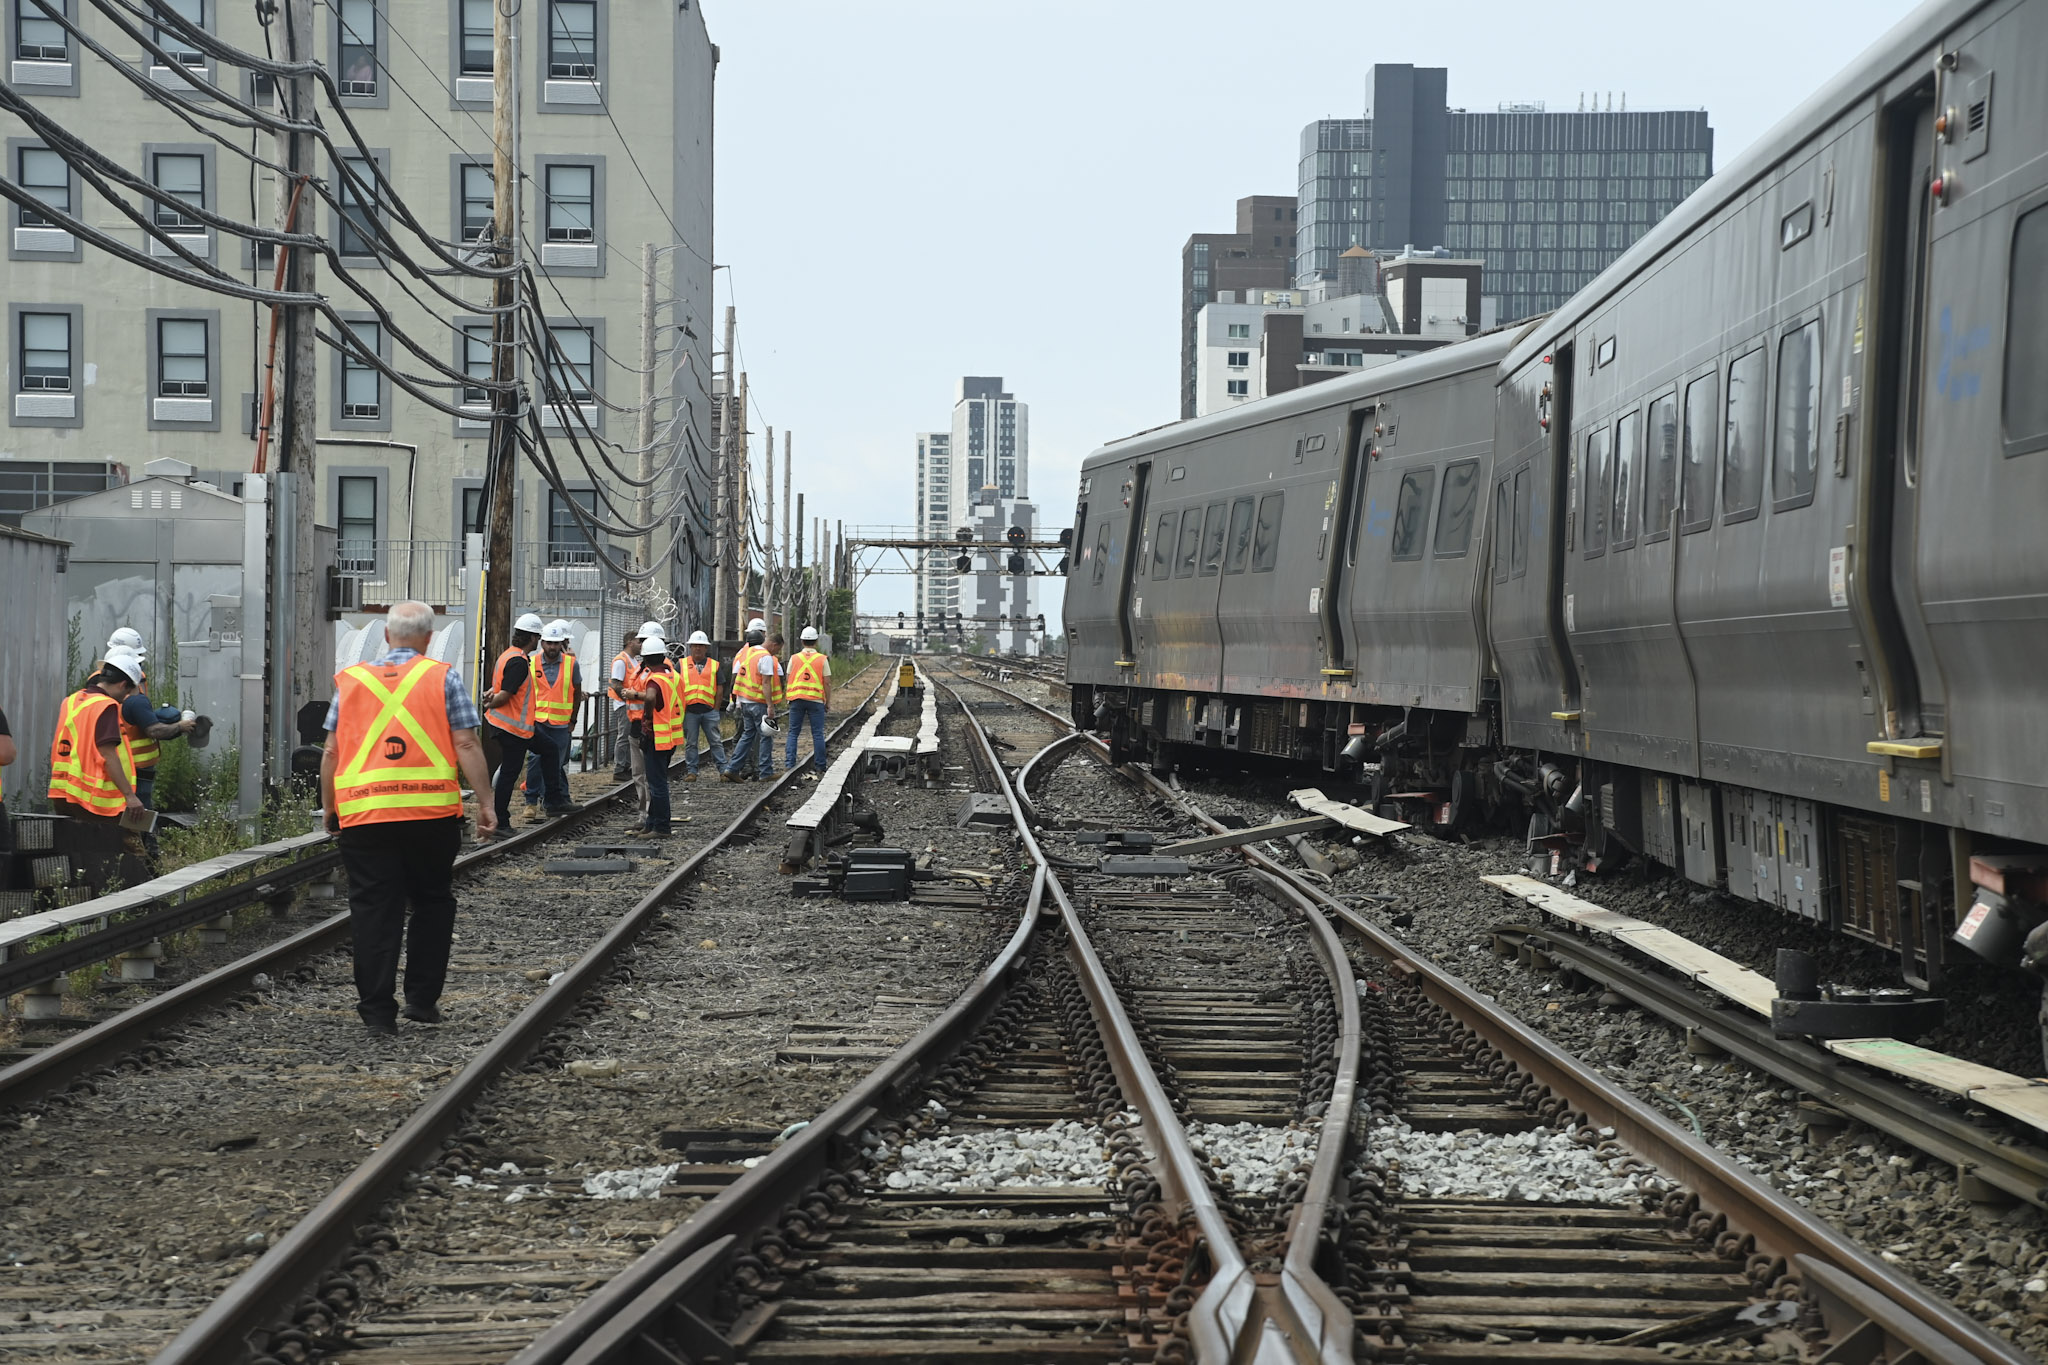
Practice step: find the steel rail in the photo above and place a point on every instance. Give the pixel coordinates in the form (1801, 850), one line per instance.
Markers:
(263, 1295)
(2020, 1169)
(1905, 1312)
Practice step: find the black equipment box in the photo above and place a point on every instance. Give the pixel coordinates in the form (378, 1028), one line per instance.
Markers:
(877, 874)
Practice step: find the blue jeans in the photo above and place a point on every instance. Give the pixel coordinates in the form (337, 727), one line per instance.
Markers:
(657, 782)
(753, 749)
(547, 766)
(803, 712)
(703, 723)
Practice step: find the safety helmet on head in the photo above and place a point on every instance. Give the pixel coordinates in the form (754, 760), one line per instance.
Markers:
(648, 628)
(809, 633)
(126, 662)
(528, 624)
(653, 644)
(127, 637)
(698, 637)
(556, 630)
(757, 624)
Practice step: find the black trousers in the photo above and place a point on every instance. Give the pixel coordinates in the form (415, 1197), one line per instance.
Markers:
(512, 752)
(390, 864)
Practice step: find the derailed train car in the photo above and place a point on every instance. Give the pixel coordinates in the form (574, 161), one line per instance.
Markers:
(1735, 562)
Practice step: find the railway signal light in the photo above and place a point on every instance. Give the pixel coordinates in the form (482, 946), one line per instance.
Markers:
(964, 534)
(1016, 562)
(963, 564)
(1015, 535)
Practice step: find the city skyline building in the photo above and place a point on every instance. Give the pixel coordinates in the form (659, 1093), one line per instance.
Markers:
(1258, 256)
(983, 460)
(1545, 200)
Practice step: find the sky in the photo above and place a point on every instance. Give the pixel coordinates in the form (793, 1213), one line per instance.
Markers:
(909, 191)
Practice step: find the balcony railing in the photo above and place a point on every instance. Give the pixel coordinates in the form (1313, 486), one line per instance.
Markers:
(546, 574)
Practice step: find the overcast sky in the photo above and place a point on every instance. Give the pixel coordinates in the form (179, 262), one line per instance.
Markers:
(910, 191)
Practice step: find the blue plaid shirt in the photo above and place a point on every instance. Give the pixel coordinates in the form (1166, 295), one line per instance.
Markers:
(461, 709)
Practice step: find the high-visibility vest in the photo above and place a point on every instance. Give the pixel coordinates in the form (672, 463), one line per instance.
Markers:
(806, 679)
(554, 703)
(515, 715)
(78, 773)
(668, 721)
(140, 744)
(626, 683)
(746, 683)
(397, 752)
(700, 683)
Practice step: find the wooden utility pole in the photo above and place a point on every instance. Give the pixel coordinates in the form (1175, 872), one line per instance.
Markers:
(298, 606)
(504, 458)
(647, 389)
(803, 594)
(770, 580)
(721, 507)
(736, 533)
(788, 584)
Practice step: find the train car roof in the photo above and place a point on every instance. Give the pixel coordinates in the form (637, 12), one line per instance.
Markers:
(1917, 32)
(1482, 352)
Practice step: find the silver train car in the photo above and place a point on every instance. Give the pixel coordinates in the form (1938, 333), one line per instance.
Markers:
(1735, 563)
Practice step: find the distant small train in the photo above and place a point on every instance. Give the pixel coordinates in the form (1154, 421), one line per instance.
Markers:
(1737, 562)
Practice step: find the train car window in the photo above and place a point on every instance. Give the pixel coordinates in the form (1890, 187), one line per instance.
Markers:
(1524, 483)
(1457, 509)
(1742, 457)
(1213, 524)
(1696, 490)
(1240, 536)
(1411, 512)
(1500, 532)
(2026, 336)
(1795, 450)
(1101, 553)
(1660, 468)
(1190, 543)
(1628, 441)
(1266, 535)
(1596, 488)
(1162, 544)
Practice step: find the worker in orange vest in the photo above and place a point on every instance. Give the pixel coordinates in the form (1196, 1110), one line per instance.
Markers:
(623, 711)
(626, 681)
(756, 679)
(401, 740)
(555, 698)
(699, 674)
(807, 683)
(661, 729)
(92, 766)
(508, 708)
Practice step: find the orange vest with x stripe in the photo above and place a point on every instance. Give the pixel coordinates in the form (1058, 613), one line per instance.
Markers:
(396, 748)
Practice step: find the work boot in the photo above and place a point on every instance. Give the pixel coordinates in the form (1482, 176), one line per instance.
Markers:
(422, 1014)
(689, 777)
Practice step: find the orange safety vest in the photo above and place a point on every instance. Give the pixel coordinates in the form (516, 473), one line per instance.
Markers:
(746, 683)
(78, 773)
(633, 708)
(554, 703)
(806, 677)
(668, 721)
(515, 716)
(700, 685)
(140, 744)
(396, 749)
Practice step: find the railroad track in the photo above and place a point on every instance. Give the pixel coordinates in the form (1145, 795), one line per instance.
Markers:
(215, 1148)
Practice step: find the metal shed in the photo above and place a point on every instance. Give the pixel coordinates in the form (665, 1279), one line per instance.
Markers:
(32, 680)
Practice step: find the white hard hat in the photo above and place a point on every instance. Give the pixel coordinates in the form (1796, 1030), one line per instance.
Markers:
(757, 624)
(652, 644)
(556, 630)
(698, 637)
(529, 624)
(648, 628)
(127, 662)
(127, 637)
(809, 633)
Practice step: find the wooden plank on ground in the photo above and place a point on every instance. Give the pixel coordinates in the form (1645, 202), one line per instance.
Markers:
(1234, 838)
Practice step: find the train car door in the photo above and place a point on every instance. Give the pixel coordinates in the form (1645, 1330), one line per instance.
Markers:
(1128, 573)
(1340, 545)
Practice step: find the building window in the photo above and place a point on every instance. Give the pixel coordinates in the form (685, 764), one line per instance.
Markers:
(568, 543)
(26, 485)
(355, 517)
(1240, 331)
(181, 175)
(476, 363)
(570, 203)
(1240, 359)
(479, 201)
(1238, 388)
(572, 39)
(181, 351)
(45, 364)
(38, 38)
(357, 194)
(42, 173)
(477, 57)
(356, 47)
(175, 46)
(362, 384)
(568, 378)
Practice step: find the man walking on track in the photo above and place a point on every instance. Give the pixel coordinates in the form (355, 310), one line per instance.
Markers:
(700, 706)
(401, 740)
(661, 728)
(555, 697)
(807, 683)
(508, 706)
